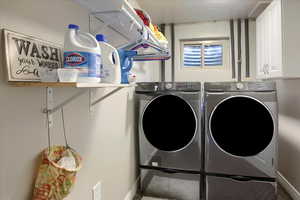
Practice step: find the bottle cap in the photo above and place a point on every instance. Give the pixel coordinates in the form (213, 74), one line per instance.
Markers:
(73, 26)
(101, 38)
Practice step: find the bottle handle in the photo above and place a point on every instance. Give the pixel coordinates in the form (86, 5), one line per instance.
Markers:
(130, 60)
(89, 37)
(116, 62)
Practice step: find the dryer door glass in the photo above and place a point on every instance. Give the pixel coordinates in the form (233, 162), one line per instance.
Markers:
(169, 123)
(242, 126)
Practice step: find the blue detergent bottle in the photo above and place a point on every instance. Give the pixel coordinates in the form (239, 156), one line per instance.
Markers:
(126, 60)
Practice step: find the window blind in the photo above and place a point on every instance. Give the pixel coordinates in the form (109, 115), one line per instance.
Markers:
(212, 55)
(192, 55)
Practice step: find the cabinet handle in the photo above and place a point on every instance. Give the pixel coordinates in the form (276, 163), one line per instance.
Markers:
(268, 69)
(265, 69)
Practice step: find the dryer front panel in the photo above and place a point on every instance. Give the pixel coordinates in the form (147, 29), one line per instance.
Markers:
(169, 131)
(241, 135)
(229, 126)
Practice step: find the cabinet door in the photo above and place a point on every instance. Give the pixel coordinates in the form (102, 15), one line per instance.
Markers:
(275, 39)
(264, 44)
(267, 42)
(260, 46)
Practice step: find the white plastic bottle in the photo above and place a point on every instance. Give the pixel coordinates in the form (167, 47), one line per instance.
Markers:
(111, 68)
(82, 52)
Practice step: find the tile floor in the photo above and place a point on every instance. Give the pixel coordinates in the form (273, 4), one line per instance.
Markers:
(282, 195)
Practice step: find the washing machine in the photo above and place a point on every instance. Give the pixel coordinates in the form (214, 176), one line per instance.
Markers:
(169, 126)
(241, 131)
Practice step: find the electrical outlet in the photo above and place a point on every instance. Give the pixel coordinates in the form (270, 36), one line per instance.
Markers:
(97, 191)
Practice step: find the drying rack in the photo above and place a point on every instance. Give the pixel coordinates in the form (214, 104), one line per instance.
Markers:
(160, 54)
(129, 25)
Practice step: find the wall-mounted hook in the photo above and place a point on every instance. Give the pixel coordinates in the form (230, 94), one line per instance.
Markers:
(49, 106)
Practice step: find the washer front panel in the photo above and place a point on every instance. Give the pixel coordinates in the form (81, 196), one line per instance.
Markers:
(242, 140)
(169, 123)
(169, 130)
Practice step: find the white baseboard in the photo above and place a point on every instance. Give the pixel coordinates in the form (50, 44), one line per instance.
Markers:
(293, 192)
(132, 192)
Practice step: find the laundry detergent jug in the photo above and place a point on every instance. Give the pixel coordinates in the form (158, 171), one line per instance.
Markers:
(126, 59)
(82, 52)
(110, 68)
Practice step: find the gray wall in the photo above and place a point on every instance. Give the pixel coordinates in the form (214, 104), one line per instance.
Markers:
(105, 138)
(210, 29)
(289, 130)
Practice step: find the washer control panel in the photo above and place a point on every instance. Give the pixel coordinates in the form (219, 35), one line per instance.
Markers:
(168, 86)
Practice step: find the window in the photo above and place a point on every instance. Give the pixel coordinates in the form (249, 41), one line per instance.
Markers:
(208, 54)
(192, 55)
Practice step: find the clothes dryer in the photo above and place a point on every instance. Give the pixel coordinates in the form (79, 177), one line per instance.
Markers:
(241, 132)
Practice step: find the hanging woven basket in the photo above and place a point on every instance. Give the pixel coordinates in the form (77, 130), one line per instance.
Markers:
(53, 181)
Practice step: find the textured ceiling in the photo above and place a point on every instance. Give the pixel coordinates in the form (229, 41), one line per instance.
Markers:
(183, 11)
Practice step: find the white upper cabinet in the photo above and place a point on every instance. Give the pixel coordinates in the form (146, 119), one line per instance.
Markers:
(278, 41)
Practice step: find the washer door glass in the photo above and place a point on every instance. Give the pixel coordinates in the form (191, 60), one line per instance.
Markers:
(169, 123)
(242, 126)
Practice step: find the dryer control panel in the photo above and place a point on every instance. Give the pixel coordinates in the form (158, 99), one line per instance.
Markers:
(240, 86)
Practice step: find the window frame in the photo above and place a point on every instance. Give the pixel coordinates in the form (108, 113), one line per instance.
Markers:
(203, 42)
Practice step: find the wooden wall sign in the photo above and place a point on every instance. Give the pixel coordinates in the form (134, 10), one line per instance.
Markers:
(25, 55)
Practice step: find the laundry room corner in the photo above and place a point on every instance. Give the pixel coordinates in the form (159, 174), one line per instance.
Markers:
(149, 100)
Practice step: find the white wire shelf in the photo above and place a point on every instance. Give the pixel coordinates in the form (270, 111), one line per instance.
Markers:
(130, 26)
